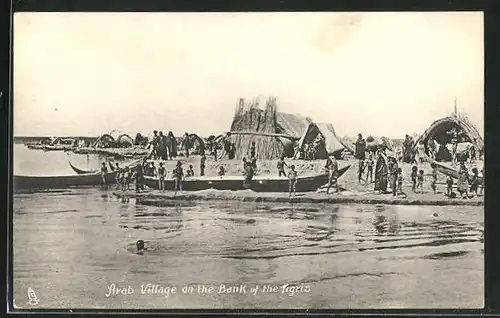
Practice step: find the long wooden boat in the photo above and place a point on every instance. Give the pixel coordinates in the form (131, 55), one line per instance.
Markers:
(445, 169)
(81, 171)
(258, 183)
(60, 182)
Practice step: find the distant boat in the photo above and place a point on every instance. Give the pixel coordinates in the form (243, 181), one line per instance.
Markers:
(258, 183)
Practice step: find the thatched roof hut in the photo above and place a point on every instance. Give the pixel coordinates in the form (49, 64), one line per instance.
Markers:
(331, 145)
(273, 132)
(439, 131)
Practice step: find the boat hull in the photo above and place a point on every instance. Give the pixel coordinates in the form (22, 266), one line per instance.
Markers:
(444, 169)
(257, 184)
(61, 182)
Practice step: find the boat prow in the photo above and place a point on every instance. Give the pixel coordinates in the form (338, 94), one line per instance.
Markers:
(80, 171)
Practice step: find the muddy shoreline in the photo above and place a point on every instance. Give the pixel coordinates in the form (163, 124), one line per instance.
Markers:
(157, 198)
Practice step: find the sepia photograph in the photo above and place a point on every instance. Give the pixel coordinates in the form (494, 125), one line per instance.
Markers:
(312, 160)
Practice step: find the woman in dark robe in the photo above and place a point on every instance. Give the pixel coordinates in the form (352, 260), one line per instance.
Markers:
(381, 174)
(172, 145)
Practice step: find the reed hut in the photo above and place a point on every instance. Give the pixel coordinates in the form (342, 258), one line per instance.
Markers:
(274, 133)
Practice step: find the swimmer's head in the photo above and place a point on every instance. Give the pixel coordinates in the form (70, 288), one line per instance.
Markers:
(140, 245)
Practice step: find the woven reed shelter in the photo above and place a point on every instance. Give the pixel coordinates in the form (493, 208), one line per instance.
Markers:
(273, 132)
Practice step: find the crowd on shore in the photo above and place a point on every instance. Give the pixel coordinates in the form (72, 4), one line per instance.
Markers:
(374, 166)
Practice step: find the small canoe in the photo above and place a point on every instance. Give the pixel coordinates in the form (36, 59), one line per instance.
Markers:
(60, 182)
(81, 171)
(257, 184)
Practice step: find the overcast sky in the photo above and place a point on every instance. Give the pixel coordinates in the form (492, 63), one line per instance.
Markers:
(375, 73)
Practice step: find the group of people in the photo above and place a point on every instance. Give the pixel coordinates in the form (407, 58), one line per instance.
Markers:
(310, 151)
(164, 147)
(385, 172)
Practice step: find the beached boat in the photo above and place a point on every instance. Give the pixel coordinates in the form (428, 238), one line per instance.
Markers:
(81, 171)
(258, 183)
(445, 169)
(61, 182)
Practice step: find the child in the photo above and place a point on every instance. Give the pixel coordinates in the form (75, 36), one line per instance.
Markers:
(190, 172)
(151, 169)
(281, 167)
(434, 178)
(474, 181)
(420, 181)
(292, 176)
(161, 177)
(222, 171)
(178, 175)
(449, 186)
(400, 181)
(361, 169)
(369, 170)
(414, 170)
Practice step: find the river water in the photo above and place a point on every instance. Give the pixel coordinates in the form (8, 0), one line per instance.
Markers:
(70, 246)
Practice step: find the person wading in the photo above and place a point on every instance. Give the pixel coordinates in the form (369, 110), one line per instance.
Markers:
(104, 171)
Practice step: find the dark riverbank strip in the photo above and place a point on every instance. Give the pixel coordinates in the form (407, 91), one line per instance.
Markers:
(156, 198)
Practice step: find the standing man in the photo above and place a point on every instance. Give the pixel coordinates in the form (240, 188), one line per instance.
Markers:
(360, 154)
(186, 144)
(155, 144)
